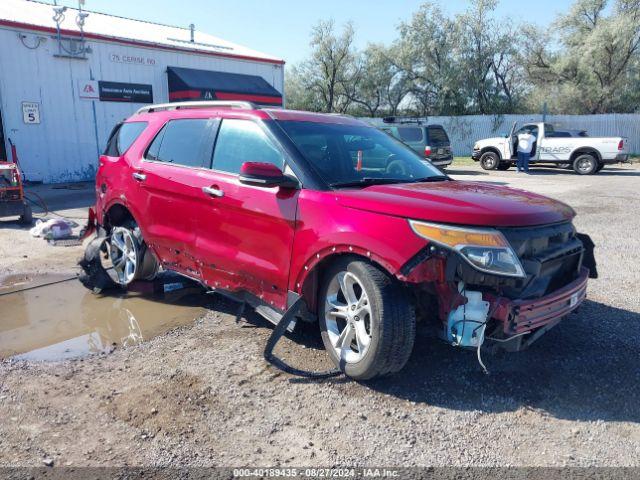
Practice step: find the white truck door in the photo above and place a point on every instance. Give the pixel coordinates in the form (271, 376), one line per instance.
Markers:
(510, 143)
(538, 132)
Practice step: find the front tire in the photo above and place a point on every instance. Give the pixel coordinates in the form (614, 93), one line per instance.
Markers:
(585, 164)
(504, 166)
(366, 320)
(489, 161)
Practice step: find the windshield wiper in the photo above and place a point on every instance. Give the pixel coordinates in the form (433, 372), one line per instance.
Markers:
(435, 178)
(366, 181)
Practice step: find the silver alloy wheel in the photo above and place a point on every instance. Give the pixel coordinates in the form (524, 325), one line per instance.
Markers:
(489, 161)
(123, 253)
(348, 317)
(584, 164)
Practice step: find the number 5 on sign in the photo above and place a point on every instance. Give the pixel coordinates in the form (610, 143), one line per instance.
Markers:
(30, 112)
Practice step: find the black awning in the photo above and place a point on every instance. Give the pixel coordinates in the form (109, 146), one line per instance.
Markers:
(191, 84)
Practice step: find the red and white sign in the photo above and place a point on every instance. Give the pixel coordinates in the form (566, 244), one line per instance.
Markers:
(88, 89)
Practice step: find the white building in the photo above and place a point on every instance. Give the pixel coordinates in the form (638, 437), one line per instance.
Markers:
(66, 81)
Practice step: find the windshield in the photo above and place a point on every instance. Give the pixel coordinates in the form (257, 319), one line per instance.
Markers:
(348, 155)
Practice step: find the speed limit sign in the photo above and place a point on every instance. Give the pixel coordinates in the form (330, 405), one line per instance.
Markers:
(30, 112)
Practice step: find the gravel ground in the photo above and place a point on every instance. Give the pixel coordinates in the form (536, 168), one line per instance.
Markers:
(203, 395)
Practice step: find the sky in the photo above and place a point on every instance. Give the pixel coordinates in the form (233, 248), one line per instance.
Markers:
(281, 27)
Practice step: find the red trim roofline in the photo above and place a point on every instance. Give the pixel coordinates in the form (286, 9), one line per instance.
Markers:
(136, 43)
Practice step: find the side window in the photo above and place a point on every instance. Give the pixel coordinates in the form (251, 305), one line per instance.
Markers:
(242, 141)
(122, 137)
(410, 134)
(187, 142)
(437, 136)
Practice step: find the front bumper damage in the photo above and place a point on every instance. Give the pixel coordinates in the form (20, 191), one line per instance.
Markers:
(473, 307)
(522, 316)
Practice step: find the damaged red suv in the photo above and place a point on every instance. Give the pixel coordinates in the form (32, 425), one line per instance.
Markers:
(271, 206)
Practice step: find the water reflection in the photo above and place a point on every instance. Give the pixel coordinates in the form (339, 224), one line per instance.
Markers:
(65, 320)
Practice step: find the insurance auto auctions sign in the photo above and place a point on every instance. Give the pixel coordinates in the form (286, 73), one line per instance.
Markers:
(125, 92)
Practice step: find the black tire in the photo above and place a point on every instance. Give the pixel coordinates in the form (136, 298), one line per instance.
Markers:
(392, 321)
(503, 166)
(27, 215)
(489, 161)
(600, 167)
(585, 164)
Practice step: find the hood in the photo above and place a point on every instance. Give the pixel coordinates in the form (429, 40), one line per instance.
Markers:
(493, 141)
(458, 202)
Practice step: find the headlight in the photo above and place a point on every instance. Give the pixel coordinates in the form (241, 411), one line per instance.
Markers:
(476, 146)
(485, 249)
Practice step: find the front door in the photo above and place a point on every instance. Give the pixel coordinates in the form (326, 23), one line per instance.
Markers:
(245, 233)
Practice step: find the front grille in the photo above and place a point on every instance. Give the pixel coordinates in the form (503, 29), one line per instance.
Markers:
(551, 256)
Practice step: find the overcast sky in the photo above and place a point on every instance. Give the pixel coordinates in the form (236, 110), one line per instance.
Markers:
(281, 27)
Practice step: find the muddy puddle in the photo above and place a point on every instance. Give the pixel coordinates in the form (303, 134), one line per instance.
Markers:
(65, 320)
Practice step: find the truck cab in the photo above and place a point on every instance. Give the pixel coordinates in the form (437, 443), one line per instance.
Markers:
(586, 155)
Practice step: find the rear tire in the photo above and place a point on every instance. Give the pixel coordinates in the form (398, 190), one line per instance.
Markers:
(129, 255)
(369, 331)
(585, 164)
(489, 161)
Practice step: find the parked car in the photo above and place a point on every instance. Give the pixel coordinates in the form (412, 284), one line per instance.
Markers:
(587, 155)
(428, 140)
(271, 206)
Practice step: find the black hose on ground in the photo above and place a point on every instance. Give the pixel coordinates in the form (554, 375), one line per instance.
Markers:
(277, 334)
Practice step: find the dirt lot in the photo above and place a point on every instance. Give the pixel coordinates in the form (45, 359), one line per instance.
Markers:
(202, 394)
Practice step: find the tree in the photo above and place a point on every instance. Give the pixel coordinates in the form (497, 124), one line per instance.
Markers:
(378, 86)
(319, 82)
(593, 70)
(426, 53)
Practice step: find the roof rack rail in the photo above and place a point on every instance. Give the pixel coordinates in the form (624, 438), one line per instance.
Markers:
(403, 120)
(202, 104)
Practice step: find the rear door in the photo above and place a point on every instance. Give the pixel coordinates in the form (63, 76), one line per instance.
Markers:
(245, 233)
(179, 153)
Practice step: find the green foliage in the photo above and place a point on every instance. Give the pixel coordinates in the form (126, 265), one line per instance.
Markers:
(472, 63)
(591, 63)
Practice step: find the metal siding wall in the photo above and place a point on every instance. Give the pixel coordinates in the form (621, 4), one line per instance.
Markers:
(464, 131)
(63, 146)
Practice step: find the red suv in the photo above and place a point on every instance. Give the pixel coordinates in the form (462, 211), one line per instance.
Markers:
(271, 205)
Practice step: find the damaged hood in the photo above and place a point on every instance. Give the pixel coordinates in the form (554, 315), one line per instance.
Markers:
(458, 202)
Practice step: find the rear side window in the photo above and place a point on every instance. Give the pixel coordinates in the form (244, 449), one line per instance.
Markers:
(437, 136)
(410, 134)
(187, 142)
(122, 137)
(242, 141)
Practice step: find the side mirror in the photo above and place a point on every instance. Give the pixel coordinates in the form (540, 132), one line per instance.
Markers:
(265, 175)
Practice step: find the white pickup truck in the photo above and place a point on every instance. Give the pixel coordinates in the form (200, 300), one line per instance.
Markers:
(586, 155)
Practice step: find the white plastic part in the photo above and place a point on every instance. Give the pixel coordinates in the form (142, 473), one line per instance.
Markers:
(466, 324)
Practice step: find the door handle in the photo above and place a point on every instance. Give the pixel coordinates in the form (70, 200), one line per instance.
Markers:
(141, 177)
(212, 191)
